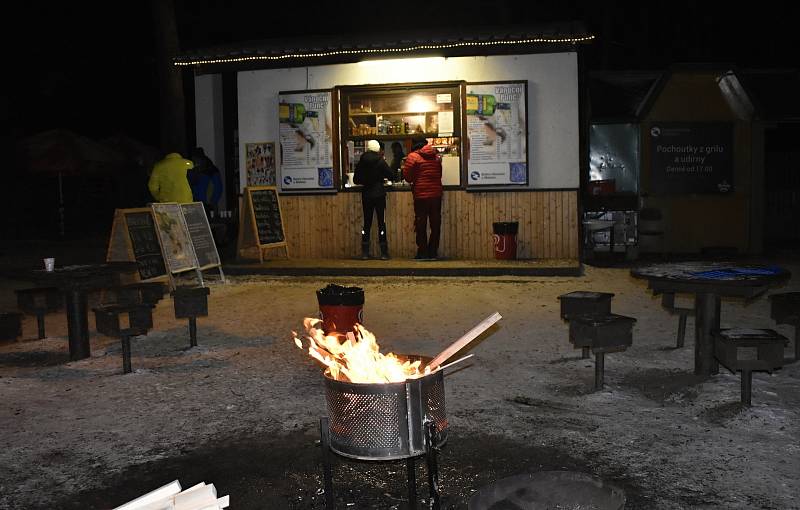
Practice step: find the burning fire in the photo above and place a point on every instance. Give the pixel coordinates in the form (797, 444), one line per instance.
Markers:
(358, 359)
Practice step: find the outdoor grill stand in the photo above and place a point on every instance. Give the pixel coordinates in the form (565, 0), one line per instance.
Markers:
(190, 303)
(434, 502)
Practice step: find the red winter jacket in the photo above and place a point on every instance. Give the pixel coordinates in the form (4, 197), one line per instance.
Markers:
(423, 169)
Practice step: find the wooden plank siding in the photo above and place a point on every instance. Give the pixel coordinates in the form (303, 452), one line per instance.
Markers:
(329, 226)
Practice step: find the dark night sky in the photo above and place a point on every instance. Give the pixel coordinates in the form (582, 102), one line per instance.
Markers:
(91, 68)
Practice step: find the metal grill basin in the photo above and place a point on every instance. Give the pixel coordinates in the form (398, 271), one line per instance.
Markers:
(385, 421)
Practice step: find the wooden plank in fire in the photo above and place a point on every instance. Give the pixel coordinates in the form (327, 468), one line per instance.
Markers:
(464, 340)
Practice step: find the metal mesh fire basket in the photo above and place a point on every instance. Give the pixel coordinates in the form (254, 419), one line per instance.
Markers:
(385, 421)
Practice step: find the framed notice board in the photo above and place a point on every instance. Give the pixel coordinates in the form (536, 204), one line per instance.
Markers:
(134, 238)
(176, 243)
(306, 140)
(497, 134)
(261, 225)
(205, 249)
(200, 233)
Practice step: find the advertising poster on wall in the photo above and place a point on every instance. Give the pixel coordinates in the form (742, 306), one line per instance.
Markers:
(260, 163)
(691, 157)
(497, 131)
(306, 141)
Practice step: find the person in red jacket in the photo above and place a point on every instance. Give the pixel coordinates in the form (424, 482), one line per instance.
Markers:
(423, 169)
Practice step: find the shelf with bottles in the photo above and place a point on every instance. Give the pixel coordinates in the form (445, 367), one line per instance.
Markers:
(408, 136)
(446, 145)
(363, 125)
(392, 124)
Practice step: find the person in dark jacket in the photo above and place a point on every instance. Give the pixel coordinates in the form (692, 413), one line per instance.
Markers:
(205, 180)
(370, 172)
(397, 161)
(423, 169)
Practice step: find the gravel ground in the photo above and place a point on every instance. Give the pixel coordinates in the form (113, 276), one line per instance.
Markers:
(242, 409)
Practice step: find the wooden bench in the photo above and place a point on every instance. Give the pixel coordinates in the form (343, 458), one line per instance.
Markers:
(668, 302)
(746, 350)
(785, 309)
(602, 334)
(39, 301)
(581, 302)
(140, 321)
(190, 303)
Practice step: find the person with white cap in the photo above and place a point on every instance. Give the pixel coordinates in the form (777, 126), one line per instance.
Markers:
(370, 173)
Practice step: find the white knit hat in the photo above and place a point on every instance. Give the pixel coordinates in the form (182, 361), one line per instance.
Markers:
(373, 146)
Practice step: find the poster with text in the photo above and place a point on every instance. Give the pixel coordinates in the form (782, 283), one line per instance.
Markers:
(260, 163)
(306, 141)
(176, 243)
(497, 130)
(691, 157)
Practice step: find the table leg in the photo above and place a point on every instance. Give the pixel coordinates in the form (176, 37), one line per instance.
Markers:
(707, 308)
(77, 302)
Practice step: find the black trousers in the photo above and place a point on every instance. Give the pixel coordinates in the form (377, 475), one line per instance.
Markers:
(428, 211)
(376, 205)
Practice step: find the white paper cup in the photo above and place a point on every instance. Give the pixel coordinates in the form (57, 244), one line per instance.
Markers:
(49, 264)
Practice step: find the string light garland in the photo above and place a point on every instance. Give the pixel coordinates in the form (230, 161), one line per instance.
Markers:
(367, 51)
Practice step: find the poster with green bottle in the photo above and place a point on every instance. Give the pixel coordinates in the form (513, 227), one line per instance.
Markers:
(497, 130)
(306, 141)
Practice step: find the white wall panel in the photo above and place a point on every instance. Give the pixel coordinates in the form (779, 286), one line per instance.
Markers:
(553, 128)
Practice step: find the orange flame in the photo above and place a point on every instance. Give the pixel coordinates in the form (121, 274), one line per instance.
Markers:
(358, 358)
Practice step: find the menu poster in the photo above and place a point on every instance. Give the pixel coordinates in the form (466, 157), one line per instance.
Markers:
(144, 242)
(176, 244)
(267, 214)
(260, 163)
(200, 233)
(497, 130)
(306, 140)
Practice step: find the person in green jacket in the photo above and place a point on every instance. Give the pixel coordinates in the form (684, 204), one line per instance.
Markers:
(168, 182)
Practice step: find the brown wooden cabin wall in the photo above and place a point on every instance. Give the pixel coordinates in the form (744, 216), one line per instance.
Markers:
(329, 226)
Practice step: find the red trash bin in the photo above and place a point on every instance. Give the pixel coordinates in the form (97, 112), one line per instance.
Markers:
(505, 240)
(340, 308)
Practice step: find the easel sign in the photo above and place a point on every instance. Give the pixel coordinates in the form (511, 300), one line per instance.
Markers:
(175, 240)
(205, 249)
(134, 238)
(262, 221)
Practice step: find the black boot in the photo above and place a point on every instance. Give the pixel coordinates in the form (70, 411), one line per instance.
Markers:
(364, 245)
(383, 243)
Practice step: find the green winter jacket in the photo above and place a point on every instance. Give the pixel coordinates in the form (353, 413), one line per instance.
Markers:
(168, 182)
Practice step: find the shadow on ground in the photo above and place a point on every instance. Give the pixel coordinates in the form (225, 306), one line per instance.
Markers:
(285, 472)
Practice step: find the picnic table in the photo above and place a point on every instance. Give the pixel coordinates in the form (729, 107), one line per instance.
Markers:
(76, 282)
(709, 282)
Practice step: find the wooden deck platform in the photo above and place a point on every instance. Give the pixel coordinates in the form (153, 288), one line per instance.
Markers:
(406, 267)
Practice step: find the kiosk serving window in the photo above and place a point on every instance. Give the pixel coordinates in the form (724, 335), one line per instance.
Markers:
(395, 115)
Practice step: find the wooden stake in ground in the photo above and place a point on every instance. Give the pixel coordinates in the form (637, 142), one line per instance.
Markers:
(459, 344)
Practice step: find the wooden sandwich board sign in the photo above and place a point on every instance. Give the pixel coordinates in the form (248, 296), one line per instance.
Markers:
(175, 240)
(205, 248)
(261, 224)
(134, 239)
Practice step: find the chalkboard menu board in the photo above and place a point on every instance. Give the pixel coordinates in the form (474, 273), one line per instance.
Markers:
(144, 241)
(200, 233)
(267, 213)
